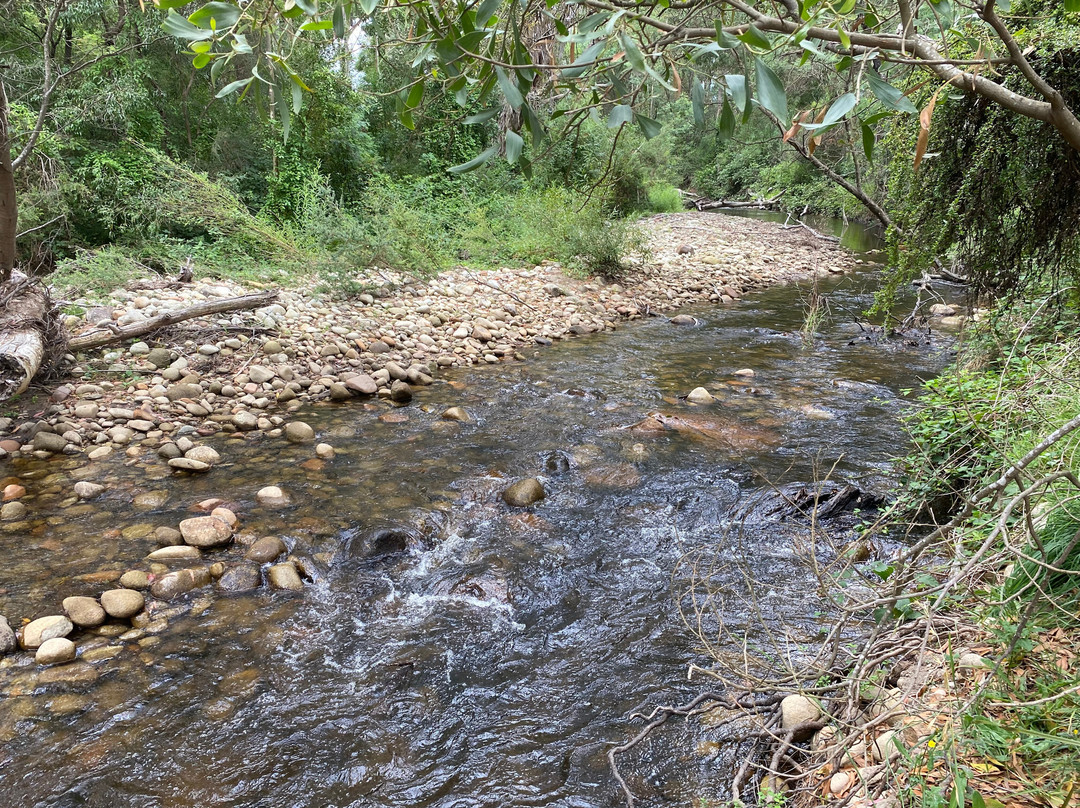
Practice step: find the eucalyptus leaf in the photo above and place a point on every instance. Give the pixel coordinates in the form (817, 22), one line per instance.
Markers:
(514, 144)
(215, 15)
(868, 141)
(482, 117)
(697, 101)
(476, 162)
(771, 93)
(585, 60)
(486, 10)
(232, 87)
(648, 126)
(755, 39)
(726, 126)
(736, 84)
(181, 28)
(620, 114)
(890, 96)
(509, 89)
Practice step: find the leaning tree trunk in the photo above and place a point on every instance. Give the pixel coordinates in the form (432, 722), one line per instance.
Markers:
(9, 212)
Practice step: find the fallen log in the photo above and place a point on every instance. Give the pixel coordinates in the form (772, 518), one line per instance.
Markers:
(108, 336)
(27, 330)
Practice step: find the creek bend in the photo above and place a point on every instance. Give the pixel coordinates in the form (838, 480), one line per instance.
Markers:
(494, 658)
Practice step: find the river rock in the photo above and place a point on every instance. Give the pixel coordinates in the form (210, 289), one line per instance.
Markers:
(266, 549)
(135, 579)
(245, 421)
(456, 414)
(226, 516)
(45, 628)
(240, 578)
(796, 709)
(166, 536)
(174, 553)
(362, 384)
(55, 651)
(401, 392)
(175, 392)
(272, 497)
(942, 310)
(203, 454)
(8, 641)
(260, 375)
(173, 584)
(13, 491)
(160, 357)
(122, 603)
(325, 451)
(189, 464)
(683, 319)
(205, 531)
(339, 392)
(49, 442)
(285, 576)
(524, 493)
(87, 490)
(699, 395)
(12, 511)
(745, 373)
(299, 432)
(84, 612)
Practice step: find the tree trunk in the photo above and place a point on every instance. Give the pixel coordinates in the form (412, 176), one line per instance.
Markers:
(9, 212)
(25, 310)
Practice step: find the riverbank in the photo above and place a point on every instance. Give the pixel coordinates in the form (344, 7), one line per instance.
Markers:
(251, 370)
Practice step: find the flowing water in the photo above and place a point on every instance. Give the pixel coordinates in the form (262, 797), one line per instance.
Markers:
(453, 651)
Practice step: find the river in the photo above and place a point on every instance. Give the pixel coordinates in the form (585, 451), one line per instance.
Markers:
(451, 651)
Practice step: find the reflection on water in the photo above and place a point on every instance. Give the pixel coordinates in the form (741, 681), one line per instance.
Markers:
(451, 651)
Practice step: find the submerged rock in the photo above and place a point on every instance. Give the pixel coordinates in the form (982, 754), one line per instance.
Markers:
(174, 584)
(266, 549)
(55, 651)
(285, 576)
(241, 578)
(524, 493)
(206, 531)
(699, 395)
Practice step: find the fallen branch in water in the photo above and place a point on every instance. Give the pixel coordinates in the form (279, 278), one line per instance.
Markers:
(120, 333)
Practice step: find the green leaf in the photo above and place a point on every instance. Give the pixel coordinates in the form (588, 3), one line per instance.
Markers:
(368, 6)
(406, 118)
(486, 11)
(648, 126)
(890, 96)
(771, 94)
(297, 99)
(317, 25)
(583, 62)
(201, 60)
(868, 141)
(845, 40)
(634, 56)
(755, 39)
(482, 117)
(1072, 6)
(532, 121)
(201, 47)
(165, 5)
(474, 163)
(215, 15)
(726, 127)
(509, 89)
(217, 67)
(514, 144)
(240, 44)
(840, 107)
(416, 95)
(177, 26)
(737, 85)
(232, 87)
(697, 101)
(724, 39)
(620, 114)
(308, 6)
(339, 21)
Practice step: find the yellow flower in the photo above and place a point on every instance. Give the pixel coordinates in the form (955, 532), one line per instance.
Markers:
(931, 744)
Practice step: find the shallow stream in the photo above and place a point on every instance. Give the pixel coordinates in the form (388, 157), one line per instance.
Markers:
(452, 651)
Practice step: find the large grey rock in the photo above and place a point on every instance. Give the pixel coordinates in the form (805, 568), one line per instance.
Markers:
(299, 432)
(85, 612)
(45, 628)
(122, 603)
(272, 497)
(206, 531)
(266, 549)
(55, 651)
(179, 552)
(241, 578)
(49, 442)
(362, 384)
(203, 454)
(245, 421)
(160, 357)
(84, 489)
(176, 392)
(260, 375)
(400, 392)
(189, 464)
(12, 511)
(699, 395)
(524, 493)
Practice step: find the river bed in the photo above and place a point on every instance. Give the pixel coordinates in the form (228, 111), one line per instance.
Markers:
(452, 651)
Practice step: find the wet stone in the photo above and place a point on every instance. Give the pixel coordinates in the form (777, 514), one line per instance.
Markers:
(55, 651)
(272, 497)
(205, 531)
(524, 493)
(122, 603)
(285, 576)
(135, 579)
(88, 490)
(173, 584)
(8, 641)
(83, 611)
(266, 549)
(240, 578)
(174, 553)
(401, 392)
(456, 414)
(45, 628)
(299, 432)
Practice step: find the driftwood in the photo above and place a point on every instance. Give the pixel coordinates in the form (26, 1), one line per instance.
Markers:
(96, 339)
(25, 311)
(703, 203)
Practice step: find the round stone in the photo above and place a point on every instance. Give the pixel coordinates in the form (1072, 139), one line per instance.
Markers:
(87, 490)
(266, 549)
(456, 414)
(55, 651)
(272, 497)
(285, 576)
(299, 432)
(84, 612)
(135, 579)
(205, 531)
(796, 709)
(203, 454)
(524, 493)
(324, 450)
(122, 603)
(699, 395)
(45, 628)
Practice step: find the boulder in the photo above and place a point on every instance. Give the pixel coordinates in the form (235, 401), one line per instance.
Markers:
(299, 432)
(266, 549)
(456, 414)
(796, 709)
(173, 584)
(524, 493)
(245, 421)
(160, 357)
(8, 641)
(175, 392)
(45, 628)
(55, 651)
(285, 576)
(699, 395)
(401, 392)
(84, 612)
(122, 603)
(683, 319)
(135, 579)
(49, 442)
(204, 454)
(205, 531)
(87, 490)
(272, 497)
(240, 578)
(362, 384)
